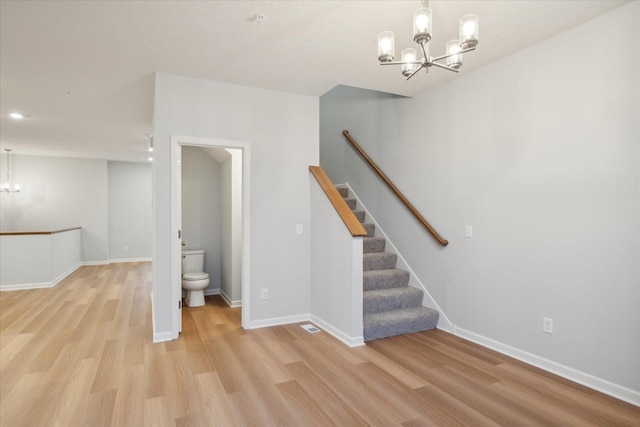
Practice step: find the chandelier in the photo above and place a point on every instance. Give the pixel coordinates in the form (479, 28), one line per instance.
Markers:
(6, 186)
(422, 26)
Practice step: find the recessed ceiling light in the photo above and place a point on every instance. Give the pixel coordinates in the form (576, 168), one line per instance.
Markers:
(150, 159)
(16, 116)
(258, 17)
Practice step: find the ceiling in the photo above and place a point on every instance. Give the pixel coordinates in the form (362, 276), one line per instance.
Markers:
(81, 72)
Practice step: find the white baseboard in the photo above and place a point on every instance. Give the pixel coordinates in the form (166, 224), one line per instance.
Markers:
(87, 263)
(43, 285)
(338, 334)
(619, 392)
(227, 299)
(120, 260)
(277, 321)
(211, 292)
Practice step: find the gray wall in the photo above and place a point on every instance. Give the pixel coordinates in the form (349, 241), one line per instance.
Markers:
(282, 131)
(59, 193)
(231, 222)
(539, 152)
(111, 201)
(130, 210)
(201, 209)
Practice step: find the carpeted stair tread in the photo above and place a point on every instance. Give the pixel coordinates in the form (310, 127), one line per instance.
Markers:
(389, 323)
(344, 191)
(370, 229)
(359, 214)
(351, 203)
(391, 299)
(384, 279)
(373, 244)
(379, 261)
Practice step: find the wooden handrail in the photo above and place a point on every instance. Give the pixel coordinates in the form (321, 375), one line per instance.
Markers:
(346, 214)
(395, 191)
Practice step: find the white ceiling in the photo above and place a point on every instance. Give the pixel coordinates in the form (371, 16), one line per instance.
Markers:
(82, 71)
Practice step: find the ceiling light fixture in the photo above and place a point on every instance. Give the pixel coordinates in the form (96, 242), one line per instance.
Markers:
(422, 26)
(16, 116)
(6, 186)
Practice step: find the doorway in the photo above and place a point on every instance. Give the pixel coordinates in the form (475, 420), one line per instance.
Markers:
(240, 159)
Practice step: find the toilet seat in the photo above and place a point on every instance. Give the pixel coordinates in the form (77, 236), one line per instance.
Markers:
(200, 275)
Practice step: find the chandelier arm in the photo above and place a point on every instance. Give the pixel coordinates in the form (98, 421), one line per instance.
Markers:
(444, 67)
(401, 63)
(438, 58)
(424, 50)
(416, 70)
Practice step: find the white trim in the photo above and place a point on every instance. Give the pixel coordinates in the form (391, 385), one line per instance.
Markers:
(278, 321)
(390, 247)
(338, 334)
(61, 277)
(227, 299)
(121, 260)
(176, 142)
(43, 285)
(25, 286)
(105, 262)
(211, 292)
(619, 392)
(162, 337)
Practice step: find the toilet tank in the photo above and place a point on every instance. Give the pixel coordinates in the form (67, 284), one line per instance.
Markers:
(193, 261)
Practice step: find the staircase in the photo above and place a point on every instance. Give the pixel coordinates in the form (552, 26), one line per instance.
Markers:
(391, 306)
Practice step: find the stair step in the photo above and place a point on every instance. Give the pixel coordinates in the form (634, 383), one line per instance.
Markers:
(384, 279)
(351, 203)
(391, 299)
(379, 261)
(380, 325)
(359, 214)
(344, 191)
(373, 244)
(370, 229)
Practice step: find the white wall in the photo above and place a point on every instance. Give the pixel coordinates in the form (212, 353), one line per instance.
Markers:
(282, 130)
(539, 152)
(201, 210)
(231, 223)
(336, 272)
(130, 210)
(59, 193)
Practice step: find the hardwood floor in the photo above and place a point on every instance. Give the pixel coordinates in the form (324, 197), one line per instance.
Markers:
(80, 354)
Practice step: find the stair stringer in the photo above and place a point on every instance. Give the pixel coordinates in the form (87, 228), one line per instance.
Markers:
(428, 301)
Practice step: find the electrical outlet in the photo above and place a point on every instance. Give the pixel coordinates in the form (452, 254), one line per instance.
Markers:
(264, 293)
(547, 325)
(126, 247)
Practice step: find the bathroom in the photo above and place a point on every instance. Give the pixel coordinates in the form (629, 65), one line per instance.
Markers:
(211, 192)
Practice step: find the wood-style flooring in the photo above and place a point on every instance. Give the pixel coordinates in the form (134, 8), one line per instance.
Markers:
(81, 354)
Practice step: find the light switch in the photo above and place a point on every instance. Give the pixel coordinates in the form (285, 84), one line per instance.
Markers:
(468, 231)
(298, 228)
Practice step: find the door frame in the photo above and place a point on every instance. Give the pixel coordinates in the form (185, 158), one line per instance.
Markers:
(177, 142)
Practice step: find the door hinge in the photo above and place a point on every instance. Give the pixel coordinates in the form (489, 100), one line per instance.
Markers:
(179, 304)
(179, 234)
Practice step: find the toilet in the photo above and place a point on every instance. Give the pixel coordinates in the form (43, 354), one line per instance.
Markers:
(194, 279)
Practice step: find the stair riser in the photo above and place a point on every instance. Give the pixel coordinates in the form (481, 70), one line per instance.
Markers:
(344, 192)
(359, 215)
(396, 302)
(373, 244)
(379, 261)
(374, 330)
(370, 229)
(351, 203)
(385, 279)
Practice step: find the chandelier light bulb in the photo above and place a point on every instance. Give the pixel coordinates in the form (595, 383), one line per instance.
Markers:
(468, 31)
(386, 49)
(453, 48)
(408, 55)
(422, 25)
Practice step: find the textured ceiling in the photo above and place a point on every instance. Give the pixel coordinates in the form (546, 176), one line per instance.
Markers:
(82, 71)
